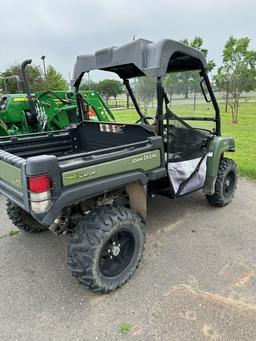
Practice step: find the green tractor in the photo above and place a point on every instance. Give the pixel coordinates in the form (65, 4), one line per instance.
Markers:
(47, 110)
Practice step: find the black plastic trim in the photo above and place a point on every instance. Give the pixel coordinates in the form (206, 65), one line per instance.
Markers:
(85, 191)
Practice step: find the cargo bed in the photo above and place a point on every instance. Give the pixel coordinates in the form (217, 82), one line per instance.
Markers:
(87, 137)
(82, 162)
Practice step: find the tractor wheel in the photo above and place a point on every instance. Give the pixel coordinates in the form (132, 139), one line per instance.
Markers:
(23, 220)
(106, 248)
(225, 185)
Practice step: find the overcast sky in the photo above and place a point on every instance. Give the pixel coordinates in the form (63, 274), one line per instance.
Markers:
(62, 29)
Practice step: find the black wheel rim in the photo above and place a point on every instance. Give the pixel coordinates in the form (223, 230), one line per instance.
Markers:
(229, 184)
(117, 253)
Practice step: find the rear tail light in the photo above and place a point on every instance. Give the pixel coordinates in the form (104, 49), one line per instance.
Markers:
(39, 183)
(40, 192)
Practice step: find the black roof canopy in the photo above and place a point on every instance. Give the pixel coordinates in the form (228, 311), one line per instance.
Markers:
(141, 57)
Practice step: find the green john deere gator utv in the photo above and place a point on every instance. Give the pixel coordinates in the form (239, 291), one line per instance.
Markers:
(47, 110)
(93, 180)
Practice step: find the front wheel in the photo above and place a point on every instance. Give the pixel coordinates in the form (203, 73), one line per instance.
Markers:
(225, 185)
(106, 248)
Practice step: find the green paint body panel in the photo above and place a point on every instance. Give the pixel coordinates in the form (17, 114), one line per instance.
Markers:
(100, 107)
(218, 146)
(10, 174)
(143, 162)
(13, 119)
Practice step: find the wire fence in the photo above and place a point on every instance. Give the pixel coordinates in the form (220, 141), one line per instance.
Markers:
(188, 96)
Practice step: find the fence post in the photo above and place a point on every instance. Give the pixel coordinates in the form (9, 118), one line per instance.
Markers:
(226, 101)
(195, 99)
(170, 100)
(127, 100)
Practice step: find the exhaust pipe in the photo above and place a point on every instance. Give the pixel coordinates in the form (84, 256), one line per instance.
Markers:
(31, 102)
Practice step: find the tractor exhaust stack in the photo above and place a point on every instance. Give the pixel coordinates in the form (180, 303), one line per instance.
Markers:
(32, 107)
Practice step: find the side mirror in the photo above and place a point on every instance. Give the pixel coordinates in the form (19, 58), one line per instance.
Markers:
(205, 92)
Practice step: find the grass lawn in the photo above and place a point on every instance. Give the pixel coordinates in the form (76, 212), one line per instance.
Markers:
(244, 132)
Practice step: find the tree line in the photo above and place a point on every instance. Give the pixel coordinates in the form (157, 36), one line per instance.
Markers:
(236, 75)
(51, 80)
(107, 87)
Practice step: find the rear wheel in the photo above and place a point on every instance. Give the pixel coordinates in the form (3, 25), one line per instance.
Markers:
(23, 220)
(225, 185)
(106, 248)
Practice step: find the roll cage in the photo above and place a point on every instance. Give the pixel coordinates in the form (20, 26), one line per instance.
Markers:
(153, 59)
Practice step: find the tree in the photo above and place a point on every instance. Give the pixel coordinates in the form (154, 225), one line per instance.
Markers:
(34, 75)
(110, 87)
(238, 72)
(54, 80)
(197, 43)
(145, 88)
(186, 82)
(89, 86)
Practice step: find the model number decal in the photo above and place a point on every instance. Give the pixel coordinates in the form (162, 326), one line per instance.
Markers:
(80, 175)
